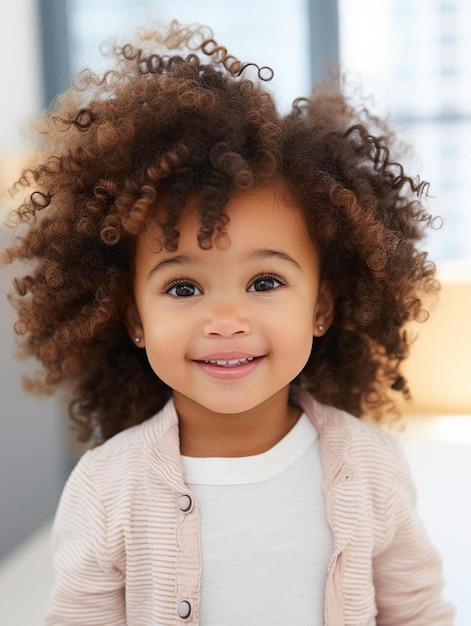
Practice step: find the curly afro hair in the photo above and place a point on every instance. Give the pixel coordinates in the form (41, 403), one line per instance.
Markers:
(165, 126)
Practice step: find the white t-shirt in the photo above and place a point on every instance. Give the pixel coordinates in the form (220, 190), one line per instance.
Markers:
(265, 539)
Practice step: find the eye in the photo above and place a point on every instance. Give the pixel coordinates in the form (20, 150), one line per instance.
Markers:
(183, 289)
(266, 283)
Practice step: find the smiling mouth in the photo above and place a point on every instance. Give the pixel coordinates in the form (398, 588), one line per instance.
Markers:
(230, 362)
(230, 369)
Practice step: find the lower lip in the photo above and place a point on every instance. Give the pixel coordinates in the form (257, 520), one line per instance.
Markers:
(229, 373)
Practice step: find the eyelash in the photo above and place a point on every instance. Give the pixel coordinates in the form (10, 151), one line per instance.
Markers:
(189, 281)
(178, 282)
(268, 275)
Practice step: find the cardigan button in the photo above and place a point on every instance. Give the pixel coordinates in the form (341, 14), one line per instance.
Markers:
(184, 609)
(347, 476)
(185, 503)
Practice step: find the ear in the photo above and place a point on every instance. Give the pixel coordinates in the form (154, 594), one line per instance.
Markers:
(134, 325)
(324, 313)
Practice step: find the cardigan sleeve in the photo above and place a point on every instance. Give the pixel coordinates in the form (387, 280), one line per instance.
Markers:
(408, 571)
(87, 588)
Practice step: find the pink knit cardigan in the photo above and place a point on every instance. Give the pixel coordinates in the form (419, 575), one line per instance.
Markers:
(126, 535)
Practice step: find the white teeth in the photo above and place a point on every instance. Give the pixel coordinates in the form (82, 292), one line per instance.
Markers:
(231, 362)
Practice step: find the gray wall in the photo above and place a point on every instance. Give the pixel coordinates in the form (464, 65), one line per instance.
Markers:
(33, 461)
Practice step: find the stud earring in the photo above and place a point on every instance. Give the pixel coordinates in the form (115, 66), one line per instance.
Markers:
(320, 327)
(137, 340)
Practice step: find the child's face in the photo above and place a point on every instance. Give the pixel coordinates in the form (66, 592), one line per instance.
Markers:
(230, 327)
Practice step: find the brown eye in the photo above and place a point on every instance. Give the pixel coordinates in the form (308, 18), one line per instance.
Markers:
(265, 283)
(184, 290)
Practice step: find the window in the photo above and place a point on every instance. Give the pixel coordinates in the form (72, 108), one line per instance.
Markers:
(420, 70)
(268, 32)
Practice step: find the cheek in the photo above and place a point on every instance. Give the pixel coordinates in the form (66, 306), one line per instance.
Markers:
(162, 341)
(164, 357)
(296, 315)
(297, 344)
(292, 333)
(158, 321)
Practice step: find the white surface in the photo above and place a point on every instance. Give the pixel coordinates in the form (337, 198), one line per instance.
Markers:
(442, 471)
(25, 579)
(439, 451)
(21, 71)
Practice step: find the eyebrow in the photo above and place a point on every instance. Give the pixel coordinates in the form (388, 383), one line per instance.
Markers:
(274, 254)
(264, 253)
(180, 259)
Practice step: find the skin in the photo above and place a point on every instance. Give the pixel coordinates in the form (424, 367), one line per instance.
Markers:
(256, 299)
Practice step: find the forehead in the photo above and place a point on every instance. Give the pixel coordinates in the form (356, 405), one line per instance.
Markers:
(259, 215)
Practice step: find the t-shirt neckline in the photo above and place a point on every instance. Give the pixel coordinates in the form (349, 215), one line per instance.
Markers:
(255, 468)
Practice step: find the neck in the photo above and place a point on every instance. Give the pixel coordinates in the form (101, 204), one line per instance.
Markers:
(204, 433)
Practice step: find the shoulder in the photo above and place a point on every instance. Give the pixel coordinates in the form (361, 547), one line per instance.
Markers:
(377, 451)
(351, 438)
(365, 435)
(123, 456)
(115, 481)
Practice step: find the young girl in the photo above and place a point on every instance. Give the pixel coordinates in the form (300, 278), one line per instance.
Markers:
(223, 292)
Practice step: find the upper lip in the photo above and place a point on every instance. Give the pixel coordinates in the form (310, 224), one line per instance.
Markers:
(227, 356)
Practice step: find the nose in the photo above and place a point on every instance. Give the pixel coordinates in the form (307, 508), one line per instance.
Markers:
(226, 319)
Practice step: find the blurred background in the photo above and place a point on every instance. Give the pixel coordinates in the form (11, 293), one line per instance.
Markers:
(412, 60)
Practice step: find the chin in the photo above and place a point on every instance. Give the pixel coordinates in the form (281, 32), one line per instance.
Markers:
(234, 404)
(229, 408)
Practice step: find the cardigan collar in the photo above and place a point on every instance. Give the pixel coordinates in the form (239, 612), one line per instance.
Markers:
(342, 481)
(162, 447)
